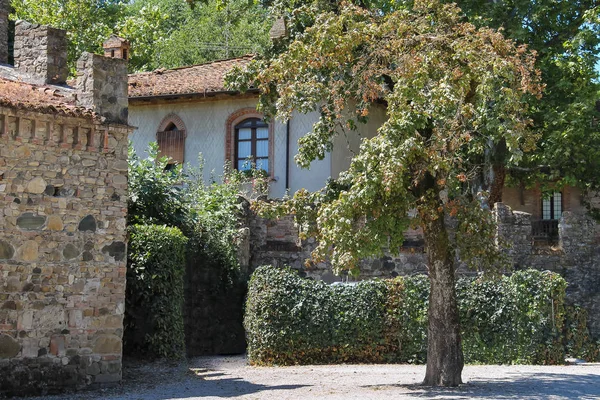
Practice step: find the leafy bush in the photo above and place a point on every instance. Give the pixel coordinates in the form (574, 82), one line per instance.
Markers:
(516, 319)
(579, 343)
(155, 195)
(209, 216)
(154, 300)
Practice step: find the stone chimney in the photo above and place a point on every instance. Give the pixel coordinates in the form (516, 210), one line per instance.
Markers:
(278, 30)
(102, 86)
(4, 11)
(41, 52)
(116, 47)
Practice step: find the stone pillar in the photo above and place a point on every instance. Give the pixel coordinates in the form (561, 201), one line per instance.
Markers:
(102, 86)
(4, 11)
(41, 51)
(576, 233)
(514, 229)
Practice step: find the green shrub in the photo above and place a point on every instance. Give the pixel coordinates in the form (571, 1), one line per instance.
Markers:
(154, 298)
(516, 319)
(291, 320)
(209, 216)
(579, 343)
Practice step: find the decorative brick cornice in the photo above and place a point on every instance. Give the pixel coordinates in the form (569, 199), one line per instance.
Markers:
(51, 131)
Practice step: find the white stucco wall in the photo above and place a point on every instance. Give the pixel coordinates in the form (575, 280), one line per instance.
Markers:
(205, 125)
(347, 144)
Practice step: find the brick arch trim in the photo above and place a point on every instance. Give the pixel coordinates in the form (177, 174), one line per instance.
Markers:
(175, 119)
(237, 117)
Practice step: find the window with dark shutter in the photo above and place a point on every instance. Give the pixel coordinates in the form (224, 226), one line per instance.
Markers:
(171, 144)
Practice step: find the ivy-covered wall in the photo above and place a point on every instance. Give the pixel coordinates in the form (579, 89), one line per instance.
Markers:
(576, 258)
(520, 318)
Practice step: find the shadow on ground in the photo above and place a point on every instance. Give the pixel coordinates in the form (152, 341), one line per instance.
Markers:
(531, 386)
(198, 383)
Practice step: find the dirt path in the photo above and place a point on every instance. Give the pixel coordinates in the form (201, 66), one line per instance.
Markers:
(230, 377)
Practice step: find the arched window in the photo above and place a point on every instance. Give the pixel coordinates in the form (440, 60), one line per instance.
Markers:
(248, 137)
(171, 140)
(252, 144)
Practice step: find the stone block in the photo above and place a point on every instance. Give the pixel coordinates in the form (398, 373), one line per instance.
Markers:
(9, 347)
(29, 251)
(108, 344)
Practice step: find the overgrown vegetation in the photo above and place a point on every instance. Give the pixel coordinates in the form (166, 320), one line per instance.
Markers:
(519, 319)
(154, 298)
(207, 217)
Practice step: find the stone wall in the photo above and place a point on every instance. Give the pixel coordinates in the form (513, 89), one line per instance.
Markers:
(4, 11)
(41, 51)
(577, 257)
(276, 242)
(63, 187)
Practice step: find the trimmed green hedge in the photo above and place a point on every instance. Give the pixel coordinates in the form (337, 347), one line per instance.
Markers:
(154, 296)
(516, 319)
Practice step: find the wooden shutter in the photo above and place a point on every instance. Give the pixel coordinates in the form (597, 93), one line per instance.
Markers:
(171, 144)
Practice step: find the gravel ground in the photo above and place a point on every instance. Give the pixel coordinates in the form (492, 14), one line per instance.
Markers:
(229, 377)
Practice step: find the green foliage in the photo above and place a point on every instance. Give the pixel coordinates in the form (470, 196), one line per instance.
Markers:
(211, 32)
(517, 319)
(566, 37)
(579, 343)
(155, 195)
(209, 217)
(87, 22)
(514, 319)
(162, 33)
(154, 300)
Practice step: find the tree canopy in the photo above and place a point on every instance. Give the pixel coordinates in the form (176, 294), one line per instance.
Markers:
(163, 33)
(451, 92)
(566, 37)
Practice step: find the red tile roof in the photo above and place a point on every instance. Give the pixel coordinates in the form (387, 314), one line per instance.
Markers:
(203, 78)
(45, 99)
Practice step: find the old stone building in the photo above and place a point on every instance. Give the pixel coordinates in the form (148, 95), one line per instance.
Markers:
(63, 187)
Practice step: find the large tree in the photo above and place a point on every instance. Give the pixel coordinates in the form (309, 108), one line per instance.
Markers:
(451, 91)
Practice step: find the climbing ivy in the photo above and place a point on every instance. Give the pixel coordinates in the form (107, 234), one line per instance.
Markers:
(517, 319)
(154, 300)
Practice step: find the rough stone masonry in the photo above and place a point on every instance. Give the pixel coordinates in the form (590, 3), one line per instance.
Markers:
(63, 187)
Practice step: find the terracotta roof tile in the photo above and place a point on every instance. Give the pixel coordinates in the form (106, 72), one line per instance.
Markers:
(203, 78)
(45, 99)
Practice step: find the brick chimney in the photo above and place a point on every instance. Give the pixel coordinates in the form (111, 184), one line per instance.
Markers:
(116, 47)
(41, 52)
(4, 11)
(102, 86)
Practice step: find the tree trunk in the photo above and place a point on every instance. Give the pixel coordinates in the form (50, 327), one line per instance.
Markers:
(444, 352)
(497, 185)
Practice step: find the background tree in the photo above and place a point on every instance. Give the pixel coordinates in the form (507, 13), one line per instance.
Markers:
(449, 89)
(566, 36)
(87, 22)
(213, 31)
(163, 33)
